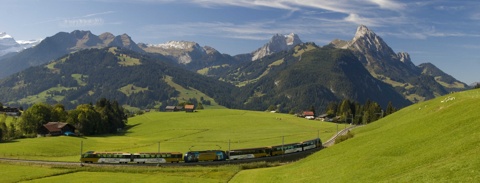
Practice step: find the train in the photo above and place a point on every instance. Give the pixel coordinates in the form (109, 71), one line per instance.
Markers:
(198, 156)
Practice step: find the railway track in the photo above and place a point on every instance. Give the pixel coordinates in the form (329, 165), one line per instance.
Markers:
(280, 158)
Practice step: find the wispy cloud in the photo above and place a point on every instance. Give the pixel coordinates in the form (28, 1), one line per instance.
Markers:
(101, 13)
(82, 22)
(355, 18)
(342, 6)
(367, 12)
(389, 4)
(85, 20)
(475, 16)
(79, 21)
(428, 32)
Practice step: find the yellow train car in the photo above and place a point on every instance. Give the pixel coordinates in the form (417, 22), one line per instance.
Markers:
(209, 155)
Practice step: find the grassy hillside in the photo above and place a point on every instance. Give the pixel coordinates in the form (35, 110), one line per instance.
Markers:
(187, 93)
(432, 141)
(179, 131)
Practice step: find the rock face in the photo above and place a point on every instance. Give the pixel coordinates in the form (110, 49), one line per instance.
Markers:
(181, 51)
(60, 44)
(276, 44)
(396, 69)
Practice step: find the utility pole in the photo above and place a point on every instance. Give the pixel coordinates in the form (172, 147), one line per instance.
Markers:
(81, 151)
(228, 148)
(158, 146)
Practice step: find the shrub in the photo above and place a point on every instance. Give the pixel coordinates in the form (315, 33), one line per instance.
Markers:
(342, 138)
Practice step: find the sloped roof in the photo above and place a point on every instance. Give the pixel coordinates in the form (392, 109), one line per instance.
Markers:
(170, 107)
(55, 126)
(308, 113)
(191, 107)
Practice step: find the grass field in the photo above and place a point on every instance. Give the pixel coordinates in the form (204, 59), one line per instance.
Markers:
(432, 141)
(23, 172)
(172, 131)
(187, 93)
(179, 132)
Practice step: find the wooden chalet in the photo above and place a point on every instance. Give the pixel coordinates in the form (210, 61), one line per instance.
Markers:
(10, 111)
(309, 114)
(189, 108)
(171, 108)
(56, 129)
(322, 117)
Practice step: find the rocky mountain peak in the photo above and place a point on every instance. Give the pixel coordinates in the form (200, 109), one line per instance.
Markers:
(125, 41)
(363, 31)
(366, 40)
(6, 40)
(276, 44)
(179, 45)
(405, 58)
(9, 45)
(107, 37)
(183, 52)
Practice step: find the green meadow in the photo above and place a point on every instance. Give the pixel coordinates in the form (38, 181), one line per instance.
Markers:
(178, 132)
(432, 141)
(167, 131)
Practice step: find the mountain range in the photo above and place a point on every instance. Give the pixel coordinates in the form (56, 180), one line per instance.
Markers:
(284, 72)
(8, 45)
(416, 83)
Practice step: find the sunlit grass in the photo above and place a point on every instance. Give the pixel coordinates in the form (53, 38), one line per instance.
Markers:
(179, 132)
(431, 141)
(187, 93)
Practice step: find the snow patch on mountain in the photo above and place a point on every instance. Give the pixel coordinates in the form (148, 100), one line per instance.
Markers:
(179, 45)
(276, 44)
(182, 51)
(9, 45)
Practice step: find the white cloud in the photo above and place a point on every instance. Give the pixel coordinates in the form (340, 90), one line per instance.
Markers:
(82, 22)
(101, 13)
(354, 18)
(475, 16)
(389, 4)
(340, 6)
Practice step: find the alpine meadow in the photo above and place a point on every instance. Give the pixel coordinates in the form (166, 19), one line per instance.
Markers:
(239, 91)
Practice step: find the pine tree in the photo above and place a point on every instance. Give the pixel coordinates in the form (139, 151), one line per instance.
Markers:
(390, 109)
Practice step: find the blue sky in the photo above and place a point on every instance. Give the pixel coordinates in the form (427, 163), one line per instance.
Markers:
(443, 32)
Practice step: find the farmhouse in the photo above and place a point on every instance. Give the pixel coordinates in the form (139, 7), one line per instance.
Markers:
(322, 117)
(189, 108)
(309, 114)
(171, 108)
(56, 129)
(10, 111)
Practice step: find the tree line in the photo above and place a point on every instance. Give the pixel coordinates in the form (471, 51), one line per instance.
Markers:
(356, 113)
(104, 117)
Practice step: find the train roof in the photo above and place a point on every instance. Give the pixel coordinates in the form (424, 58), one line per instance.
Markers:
(204, 151)
(250, 148)
(157, 153)
(123, 153)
